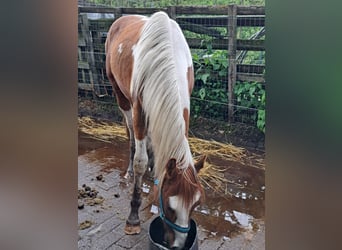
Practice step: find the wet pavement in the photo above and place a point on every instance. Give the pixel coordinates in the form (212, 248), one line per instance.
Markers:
(230, 220)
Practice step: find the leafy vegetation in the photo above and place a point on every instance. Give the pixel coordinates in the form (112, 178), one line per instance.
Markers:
(210, 95)
(210, 90)
(251, 96)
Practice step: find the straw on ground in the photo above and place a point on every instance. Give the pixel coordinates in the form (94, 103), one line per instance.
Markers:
(212, 176)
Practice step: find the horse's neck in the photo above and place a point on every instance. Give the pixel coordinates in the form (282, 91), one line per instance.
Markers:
(161, 85)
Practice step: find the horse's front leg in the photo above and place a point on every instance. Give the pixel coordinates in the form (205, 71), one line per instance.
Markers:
(150, 163)
(139, 168)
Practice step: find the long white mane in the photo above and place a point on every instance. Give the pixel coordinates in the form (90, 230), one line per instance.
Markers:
(156, 81)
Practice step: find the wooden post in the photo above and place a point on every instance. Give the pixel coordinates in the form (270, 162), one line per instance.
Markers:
(232, 24)
(90, 51)
(99, 62)
(172, 12)
(117, 13)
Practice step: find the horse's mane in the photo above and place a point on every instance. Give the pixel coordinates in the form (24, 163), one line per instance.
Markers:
(154, 80)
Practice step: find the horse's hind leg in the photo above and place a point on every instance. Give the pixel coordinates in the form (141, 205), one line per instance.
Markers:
(139, 167)
(129, 121)
(126, 110)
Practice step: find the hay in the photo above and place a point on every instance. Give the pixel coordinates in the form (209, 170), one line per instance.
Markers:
(102, 131)
(211, 176)
(225, 151)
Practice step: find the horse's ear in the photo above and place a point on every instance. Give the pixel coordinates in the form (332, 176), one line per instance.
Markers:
(171, 169)
(200, 163)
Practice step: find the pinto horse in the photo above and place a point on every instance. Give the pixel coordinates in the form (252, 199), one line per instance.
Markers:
(149, 64)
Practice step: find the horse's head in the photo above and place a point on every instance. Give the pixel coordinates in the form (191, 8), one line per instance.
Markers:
(180, 193)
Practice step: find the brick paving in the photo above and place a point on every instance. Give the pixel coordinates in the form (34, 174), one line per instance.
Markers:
(108, 219)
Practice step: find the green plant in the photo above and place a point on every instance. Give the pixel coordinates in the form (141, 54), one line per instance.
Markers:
(209, 97)
(252, 95)
(210, 91)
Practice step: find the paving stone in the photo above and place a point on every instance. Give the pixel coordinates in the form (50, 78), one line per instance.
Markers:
(201, 234)
(85, 243)
(211, 244)
(115, 247)
(102, 215)
(107, 226)
(83, 217)
(143, 244)
(87, 167)
(107, 232)
(129, 241)
(105, 186)
(107, 240)
(146, 224)
(111, 200)
(110, 180)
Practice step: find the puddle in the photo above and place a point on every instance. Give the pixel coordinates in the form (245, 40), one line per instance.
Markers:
(221, 215)
(109, 156)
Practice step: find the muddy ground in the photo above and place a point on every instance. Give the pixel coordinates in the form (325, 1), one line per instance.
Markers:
(229, 219)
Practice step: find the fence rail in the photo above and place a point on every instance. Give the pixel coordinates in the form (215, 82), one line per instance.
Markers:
(199, 20)
(180, 10)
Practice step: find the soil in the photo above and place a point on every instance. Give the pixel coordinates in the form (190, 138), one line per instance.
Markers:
(239, 134)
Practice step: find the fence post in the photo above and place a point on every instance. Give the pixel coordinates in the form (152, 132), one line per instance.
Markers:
(172, 12)
(117, 13)
(93, 77)
(232, 24)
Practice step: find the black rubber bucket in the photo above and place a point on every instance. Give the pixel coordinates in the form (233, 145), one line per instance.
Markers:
(156, 236)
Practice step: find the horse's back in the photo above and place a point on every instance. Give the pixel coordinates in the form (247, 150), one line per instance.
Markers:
(125, 27)
(121, 39)
(124, 35)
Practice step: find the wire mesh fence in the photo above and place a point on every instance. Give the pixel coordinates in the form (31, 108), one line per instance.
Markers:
(207, 33)
(158, 3)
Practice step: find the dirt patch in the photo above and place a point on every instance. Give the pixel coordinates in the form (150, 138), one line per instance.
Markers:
(239, 134)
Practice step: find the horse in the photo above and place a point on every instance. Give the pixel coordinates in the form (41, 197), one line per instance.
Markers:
(149, 65)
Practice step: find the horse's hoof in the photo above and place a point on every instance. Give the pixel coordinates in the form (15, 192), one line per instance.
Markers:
(132, 229)
(128, 174)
